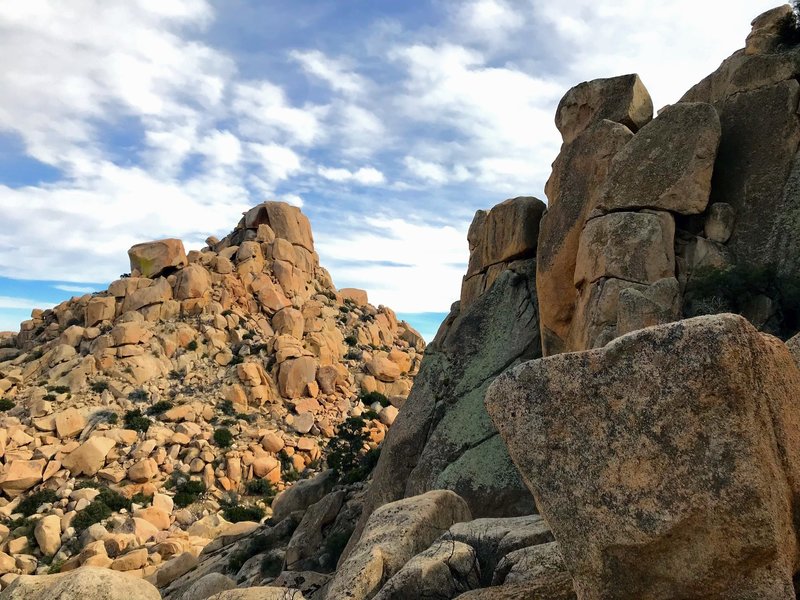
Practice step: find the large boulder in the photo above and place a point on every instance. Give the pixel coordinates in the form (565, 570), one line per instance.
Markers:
(572, 190)
(668, 164)
(621, 99)
(285, 220)
(19, 475)
(151, 259)
(86, 583)
(295, 375)
(666, 463)
(89, 457)
(394, 534)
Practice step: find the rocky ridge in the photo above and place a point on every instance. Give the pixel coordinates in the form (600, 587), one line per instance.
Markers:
(230, 367)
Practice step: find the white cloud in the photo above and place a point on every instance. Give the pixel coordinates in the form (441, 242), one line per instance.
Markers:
(490, 18)
(11, 302)
(362, 176)
(221, 148)
(336, 73)
(278, 162)
(428, 276)
(76, 289)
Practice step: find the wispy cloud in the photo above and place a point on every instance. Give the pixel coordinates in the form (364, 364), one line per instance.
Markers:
(77, 289)
(11, 302)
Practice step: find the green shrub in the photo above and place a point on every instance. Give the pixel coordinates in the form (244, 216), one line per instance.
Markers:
(369, 414)
(236, 360)
(192, 346)
(347, 451)
(6, 404)
(88, 483)
(139, 396)
(113, 500)
(261, 487)
(789, 32)
(134, 419)
(187, 492)
(94, 513)
(223, 438)
(373, 397)
(235, 512)
(55, 567)
(98, 387)
(351, 340)
(141, 498)
(30, 505)
(353, 354)
(159, 407)
(175, 375)
(58, 389)
(271, 565)
(713, 291)
(227, 408)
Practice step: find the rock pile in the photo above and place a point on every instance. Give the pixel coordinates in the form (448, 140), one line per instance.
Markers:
(229, 367)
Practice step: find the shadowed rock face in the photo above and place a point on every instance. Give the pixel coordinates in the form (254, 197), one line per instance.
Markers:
(666, 463)
(442, 438)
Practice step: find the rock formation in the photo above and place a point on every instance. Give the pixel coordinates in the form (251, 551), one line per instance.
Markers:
(442, 438)
(231, 367)
(666, 463)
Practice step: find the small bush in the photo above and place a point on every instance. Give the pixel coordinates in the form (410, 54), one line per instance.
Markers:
(113, 500)
(236, 360)
(260, 487)
(159, 408)
(134, 419)
(353, 354)
(55, 567)
(271, 565)
(98, 387)
(223, 438)
(373, 397)
(187, 491)
(235, 512)
(370, 414)
(58, 389)
(175, 375)
(192, 346)
(351, 340)
(789, 32)
(6, 404)
(94, 513)
(141, 498)
(347, 451)
(30, 504)
(87, 483)
(227, 408)
(139, 396)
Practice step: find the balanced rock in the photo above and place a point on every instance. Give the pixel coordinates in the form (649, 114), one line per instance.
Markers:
(666, 463)
(621, 99)
(151, 259)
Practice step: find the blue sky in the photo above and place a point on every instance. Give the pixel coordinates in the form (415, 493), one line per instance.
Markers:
(390, 122)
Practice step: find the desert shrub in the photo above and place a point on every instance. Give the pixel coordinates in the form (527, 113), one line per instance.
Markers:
(223, 437)
(30, 504)
(347, 451)
(369, 414)
(789, 32)
(98, 387)
(192, 346)
(175, 375)
(187, 491)
(94, 513)
(235, 512)
(139, 396)
(373, 397)
(260, 487)
(713, 291)
(271, 565)
(159, 407)
(58, 389)
(88, 483)
(106, 416)
(335, 544)
(50, 397)
(6, 404)
(236, 360)
(55, 567)
(134, 419)
(141, 498)
(351, 340)
(113, 500)
(353, 354)
(227, 408)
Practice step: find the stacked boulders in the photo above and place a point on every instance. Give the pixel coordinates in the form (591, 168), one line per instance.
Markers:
(131, 386)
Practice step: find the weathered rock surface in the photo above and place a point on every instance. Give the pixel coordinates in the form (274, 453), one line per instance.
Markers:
(395, 533)
(151, 259)
(621, 99)
(87, 583)
(680, 146)
(666, 463)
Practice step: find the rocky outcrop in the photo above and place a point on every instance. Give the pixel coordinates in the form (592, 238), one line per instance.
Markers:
(88, 583)
(442, 438)
(226, 371)
(394, 534)
(667, 463)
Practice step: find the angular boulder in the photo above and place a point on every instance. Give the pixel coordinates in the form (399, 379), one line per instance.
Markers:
(394, 534)
(151, 259)
(666, 463)
(668, 164)
(622, 99)
(295, 375)
(89, 457)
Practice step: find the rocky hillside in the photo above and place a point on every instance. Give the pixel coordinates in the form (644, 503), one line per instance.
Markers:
(146, 407)
(605, 413)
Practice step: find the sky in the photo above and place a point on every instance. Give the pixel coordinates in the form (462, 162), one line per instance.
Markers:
(389, 122)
